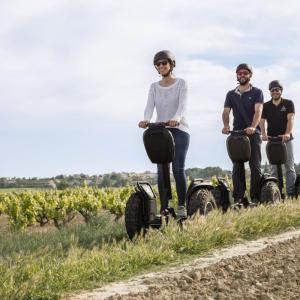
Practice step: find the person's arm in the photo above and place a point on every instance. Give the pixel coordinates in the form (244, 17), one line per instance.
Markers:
(256, 119)
(257, 114)
(290, 121)
(148, 109)
(258, 108)
(289, 127)
(226, 113)
(263, 129)
(181, 105)
(226, 120)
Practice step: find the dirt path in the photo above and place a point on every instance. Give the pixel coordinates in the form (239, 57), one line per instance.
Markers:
(265, 269)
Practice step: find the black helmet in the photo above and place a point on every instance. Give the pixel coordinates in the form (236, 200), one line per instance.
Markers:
(274, 84)
(165, 54)
(244, 67)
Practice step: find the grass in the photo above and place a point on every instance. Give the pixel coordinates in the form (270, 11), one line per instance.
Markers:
(48, 265)
(101, 230)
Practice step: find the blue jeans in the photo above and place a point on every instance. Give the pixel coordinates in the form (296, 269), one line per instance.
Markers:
(182, 141)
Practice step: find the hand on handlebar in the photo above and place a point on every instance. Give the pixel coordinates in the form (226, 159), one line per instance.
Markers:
(226, 130)
(143, 124)
(173, 123)
(264, 137)
(285, 137)
(250, 130)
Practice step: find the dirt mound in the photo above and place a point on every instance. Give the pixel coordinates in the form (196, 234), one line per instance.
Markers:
(265, 269)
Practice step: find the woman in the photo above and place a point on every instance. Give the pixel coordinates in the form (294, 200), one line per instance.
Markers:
(169, 97)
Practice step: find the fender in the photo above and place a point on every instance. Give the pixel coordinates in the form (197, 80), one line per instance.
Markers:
(268, 178)
(224, 189)
(222, 182)
(195, 187)
(141, 197)
(148, 198)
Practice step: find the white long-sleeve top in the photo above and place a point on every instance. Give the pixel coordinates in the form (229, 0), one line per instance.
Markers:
(170, 103)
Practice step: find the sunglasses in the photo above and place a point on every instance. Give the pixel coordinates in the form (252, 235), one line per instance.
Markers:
(277, 90)
(245, 73)
(163, 62)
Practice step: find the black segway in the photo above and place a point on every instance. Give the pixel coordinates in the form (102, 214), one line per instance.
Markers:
(141, 207)
(239, 151)
(277, 155)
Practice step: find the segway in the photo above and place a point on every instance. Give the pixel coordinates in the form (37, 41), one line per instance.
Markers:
(239, 151)
(277, 155)
(141, 207)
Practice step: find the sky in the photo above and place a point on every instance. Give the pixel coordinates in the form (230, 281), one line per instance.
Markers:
(74, 77)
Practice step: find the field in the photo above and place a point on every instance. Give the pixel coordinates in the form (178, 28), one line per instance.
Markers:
(76, 240)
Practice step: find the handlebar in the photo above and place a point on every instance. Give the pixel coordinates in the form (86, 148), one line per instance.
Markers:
(236, 131)
(157, 124)
(241, 132)
(275, 138)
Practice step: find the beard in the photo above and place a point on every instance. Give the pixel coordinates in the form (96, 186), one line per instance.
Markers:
(276, 97)
(243, 80)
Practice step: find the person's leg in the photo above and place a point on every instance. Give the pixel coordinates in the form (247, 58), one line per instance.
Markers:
(163, 193)
(160, 181)
(255, 166)
(182, 140)
(290, 170)
(239, 181)
(274, 172)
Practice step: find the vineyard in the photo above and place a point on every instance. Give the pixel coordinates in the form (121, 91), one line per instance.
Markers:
(29, 207)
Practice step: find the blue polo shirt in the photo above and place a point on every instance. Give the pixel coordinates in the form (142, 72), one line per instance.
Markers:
(243, 106)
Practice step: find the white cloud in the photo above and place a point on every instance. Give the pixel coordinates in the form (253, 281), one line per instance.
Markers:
(78, 65)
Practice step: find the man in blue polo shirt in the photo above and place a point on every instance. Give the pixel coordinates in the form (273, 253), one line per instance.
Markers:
(279, 114)
(246, 103)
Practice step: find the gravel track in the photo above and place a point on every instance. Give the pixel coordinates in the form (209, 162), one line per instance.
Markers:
(265, 269)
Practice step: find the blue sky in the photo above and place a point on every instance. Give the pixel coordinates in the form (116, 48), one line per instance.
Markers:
(74, 76)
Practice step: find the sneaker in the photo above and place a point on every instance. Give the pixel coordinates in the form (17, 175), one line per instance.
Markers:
(181, 212)
(252, 204)
(237, 203)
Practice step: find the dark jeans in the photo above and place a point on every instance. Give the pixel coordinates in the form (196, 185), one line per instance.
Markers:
(238, 172)
(182, 141)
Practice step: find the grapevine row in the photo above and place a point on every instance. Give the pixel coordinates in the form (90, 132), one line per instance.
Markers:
(30, 207)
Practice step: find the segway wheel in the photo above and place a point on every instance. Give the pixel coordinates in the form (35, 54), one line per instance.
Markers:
(134, 222)
(270, 193)
(201, 201)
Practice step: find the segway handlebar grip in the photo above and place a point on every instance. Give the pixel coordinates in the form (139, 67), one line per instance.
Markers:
(158, 124)
(275, 138)
(237, 132)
